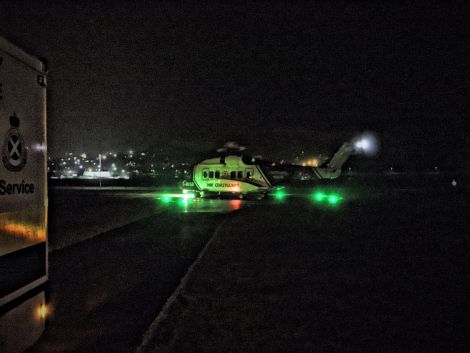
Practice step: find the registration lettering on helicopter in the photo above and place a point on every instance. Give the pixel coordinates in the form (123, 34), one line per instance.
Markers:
(223, 185)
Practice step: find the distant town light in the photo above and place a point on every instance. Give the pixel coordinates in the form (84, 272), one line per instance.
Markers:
(313, 162)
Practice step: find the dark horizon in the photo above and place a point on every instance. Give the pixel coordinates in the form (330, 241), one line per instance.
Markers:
(275, 78)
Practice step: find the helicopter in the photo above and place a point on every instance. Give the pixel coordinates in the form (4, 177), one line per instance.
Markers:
(236, 175)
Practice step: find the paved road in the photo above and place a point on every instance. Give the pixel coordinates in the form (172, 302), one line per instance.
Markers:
(377, 274)
(76, 214)
(106, 290)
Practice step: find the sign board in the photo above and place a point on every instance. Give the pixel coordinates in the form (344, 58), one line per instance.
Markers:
(22, 151)
(23, 196)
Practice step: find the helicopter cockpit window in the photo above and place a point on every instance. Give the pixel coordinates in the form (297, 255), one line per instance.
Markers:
(249, 173)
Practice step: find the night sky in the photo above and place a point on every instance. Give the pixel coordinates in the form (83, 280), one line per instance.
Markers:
(276, 77)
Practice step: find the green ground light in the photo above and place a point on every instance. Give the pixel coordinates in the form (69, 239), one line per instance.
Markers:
(334, 199)
(319, 196)
(331, 199)
(184, 201)
(166, 199)
(181, 199)
(279, 195)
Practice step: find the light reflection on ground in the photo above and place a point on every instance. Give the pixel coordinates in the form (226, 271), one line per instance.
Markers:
(200, 205)
(172, 199)
(176, 201)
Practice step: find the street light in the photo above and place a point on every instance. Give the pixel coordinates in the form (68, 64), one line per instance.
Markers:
(99, 161)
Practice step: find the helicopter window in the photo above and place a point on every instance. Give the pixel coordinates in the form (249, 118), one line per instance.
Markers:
(240, 174)
(249, 173)
(204, 174)
(211, 174)
(233, 174)
(225, 174)
(217, 174)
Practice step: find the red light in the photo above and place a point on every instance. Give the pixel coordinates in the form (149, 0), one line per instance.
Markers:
(236, 204)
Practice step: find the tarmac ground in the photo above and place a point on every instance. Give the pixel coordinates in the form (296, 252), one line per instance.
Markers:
(384, 269)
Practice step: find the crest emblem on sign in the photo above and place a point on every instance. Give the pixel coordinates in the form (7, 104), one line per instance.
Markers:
(14, 150)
